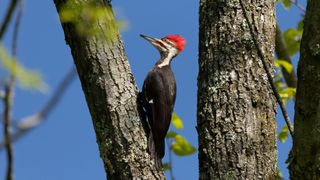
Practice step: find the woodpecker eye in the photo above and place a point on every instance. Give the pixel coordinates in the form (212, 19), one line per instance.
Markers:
(172, 44)
(161, 44)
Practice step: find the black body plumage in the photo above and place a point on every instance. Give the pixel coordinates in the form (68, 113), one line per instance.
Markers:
(159, 90)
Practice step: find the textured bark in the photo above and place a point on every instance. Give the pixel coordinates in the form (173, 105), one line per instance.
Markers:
(236, 106)
(282, 53)
(304, 162)
(111, 94)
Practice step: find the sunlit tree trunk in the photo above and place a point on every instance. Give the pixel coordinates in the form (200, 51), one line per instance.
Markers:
(236, 106)
(111, 95)
(304, 162)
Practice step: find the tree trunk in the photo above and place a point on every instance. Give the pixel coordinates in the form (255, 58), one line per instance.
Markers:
(236, 106)
(304, 162)
(111, 94)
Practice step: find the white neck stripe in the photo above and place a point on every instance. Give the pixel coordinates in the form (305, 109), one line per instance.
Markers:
(168, 58)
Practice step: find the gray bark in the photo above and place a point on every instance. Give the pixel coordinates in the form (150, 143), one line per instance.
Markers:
(236, 106)
(304, 162)
(111, 94)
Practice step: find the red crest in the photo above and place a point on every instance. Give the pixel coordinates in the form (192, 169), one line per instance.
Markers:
(178, 40)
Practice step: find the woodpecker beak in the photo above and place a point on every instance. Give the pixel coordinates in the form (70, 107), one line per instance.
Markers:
(150, 39)
(157, 43)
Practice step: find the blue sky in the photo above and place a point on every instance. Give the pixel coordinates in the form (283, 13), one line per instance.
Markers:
(64, 147)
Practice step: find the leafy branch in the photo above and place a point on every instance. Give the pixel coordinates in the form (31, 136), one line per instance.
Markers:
(177, 144)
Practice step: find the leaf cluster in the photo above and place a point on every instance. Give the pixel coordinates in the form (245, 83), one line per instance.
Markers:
(179, 145)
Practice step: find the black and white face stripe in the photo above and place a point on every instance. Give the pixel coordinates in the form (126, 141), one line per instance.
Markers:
(168, 47)
(164, 45)
(169, 44)
(170, 52)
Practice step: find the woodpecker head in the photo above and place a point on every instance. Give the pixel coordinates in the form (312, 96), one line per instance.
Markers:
(172, 44)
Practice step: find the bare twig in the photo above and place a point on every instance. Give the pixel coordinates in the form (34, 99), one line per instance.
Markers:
(29, 123)
(16, 29)
(265, 66)
(7, 18)
(282, 53)
(299, 6)
(170, 160)
(8, 99)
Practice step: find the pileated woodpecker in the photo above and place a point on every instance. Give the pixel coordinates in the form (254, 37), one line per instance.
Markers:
(159, 93)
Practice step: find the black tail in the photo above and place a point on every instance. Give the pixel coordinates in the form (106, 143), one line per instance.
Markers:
(155, 155)
(156, 149)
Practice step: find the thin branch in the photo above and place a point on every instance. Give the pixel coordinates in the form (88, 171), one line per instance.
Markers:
(8, 98)
(282, 53)
(7, 101)
(7, 18)
(265, 66)
(298, 5)
(16, 29)
(170, 160)
(29, 123)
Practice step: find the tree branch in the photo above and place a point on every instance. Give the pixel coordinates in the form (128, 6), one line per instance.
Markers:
(7, 18)
(298, 5)
(16, 29)
(29, 123)
(170, 159)
(265, 66)
(8, 99)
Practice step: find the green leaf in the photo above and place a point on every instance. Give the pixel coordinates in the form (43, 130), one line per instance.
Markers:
(279, 84)
(165, 166)
(176, 121)
(283, 63)
(182, 147)
(286, 3)
(171, 134)
(28, 79)
(283, 134)
(292, 38)
(287, 93)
